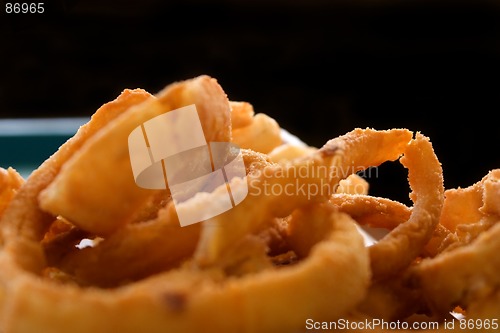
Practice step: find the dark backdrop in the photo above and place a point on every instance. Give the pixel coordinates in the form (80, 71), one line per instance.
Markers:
(320, 68)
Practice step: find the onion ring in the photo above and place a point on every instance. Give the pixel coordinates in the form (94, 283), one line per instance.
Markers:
(262, 135)
(476, 246)
(323, 170)
(470, 282)
(273, 262)
(24, 207)
(10, 182)
(411, 229)
(402, 245)
(372, 211)
(23, 262)
(353, 184)
(289, 151)
(102, 165)
(183, 300)
(152, 246)
(133, 252)
(241, 114)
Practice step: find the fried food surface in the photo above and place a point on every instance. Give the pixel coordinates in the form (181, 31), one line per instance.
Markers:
(322, 171)
(103, 166)
(85, 249)
(10, 182)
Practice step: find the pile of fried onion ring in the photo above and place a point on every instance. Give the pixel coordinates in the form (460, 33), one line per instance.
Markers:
(84, 249)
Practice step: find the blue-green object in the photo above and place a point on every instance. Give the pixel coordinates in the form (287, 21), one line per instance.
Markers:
(27, 143)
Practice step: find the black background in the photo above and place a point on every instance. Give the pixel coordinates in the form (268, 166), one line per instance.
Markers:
(321, 68)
